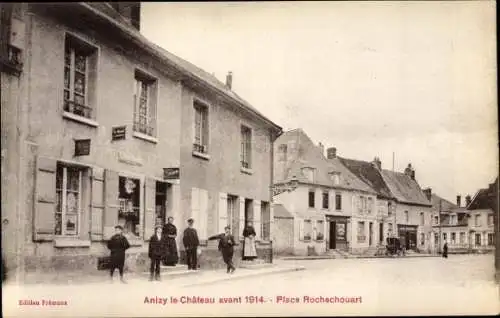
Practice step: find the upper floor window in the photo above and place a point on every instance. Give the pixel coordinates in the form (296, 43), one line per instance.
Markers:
(436, 220)
(246, 147)
(477, 220)
(422, 220)
(389, 208)
(338, 201)
(79, 77)
(309, 174)
(200, 143)
(145, 104)
(407, 217)
(311, 199)
(453, 220)
(325, 200)
(282, 152)
(69, 199)
(370, 205)
(490, 219)
(335, 177)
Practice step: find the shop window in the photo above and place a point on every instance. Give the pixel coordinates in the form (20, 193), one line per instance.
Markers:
(79, 68)
(69, 199)
(246, 147)
(453, 237)
(320, 230)
(200, 143)
(145, 104)
(422, 239)
(325, 200)
(338, 201)
(311, 198)
(491, 239)
(361, 232)
(129, 204)
(266, 221)
(462, 237)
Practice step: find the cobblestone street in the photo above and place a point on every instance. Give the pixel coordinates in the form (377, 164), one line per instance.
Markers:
(461, 284)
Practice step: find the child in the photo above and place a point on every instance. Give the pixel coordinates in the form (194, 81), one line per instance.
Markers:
(226, 243)
(156, 253)
(118, 244)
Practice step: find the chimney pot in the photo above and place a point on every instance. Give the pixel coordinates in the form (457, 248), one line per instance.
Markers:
(428, 193)
(229, 80)
(321, 148)
(377, 163)
(468, 200)
(459, 200)
(331, 153)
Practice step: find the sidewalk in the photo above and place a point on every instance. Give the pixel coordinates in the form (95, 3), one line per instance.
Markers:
(321, 257)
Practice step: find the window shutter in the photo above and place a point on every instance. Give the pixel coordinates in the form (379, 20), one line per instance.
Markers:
(257, 215)
(45, 204)
(111, 202)
(203, 214)
(97, 204)
(242, 218)
(195, 205)
(223, 221)
(301, 230)
(149, 207)
(353, 203)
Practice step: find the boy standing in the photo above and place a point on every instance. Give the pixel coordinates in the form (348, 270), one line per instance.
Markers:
(191, 244)
(226, 243)
(118, 244)
(156, 253)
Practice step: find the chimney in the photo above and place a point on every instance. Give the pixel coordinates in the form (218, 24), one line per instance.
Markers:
(428, 193)
(459, 201)
(468, 200)
(321, 148)
(377, 163)
(331, 153)
(229, 80)
(410, 172)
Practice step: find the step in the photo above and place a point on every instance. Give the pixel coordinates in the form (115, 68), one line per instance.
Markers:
(172, 272)
(256, 266)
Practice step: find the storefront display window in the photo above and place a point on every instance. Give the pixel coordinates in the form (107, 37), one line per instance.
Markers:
(129, 200)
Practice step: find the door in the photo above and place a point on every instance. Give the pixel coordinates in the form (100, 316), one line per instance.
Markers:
(161, 203)
(381, 233)
(332, 242)
(370, 234)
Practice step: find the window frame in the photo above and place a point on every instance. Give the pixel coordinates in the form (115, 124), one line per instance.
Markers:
(246, 149)
(142, 203)
(325, 195)
(143, 78)
(306, 234)
(64, 190)
(201, 143)
(422, 218)
(407, 216)
(322, 230)
(311, 199)
(338, 201)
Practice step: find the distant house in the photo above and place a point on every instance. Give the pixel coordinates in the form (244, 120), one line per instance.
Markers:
(482, 218)
(331, 207)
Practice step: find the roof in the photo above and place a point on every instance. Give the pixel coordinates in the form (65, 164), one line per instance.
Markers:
(404, 188)
(446, 206)
(281, 212)
(193, 72)
(481, 201)
(307, 155)
(368, 174)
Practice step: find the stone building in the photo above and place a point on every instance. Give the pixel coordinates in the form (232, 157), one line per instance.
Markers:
(102, 127)
(332, 209)
(482, 218)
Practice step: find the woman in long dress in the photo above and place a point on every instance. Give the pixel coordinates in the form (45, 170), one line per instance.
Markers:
(170, 232)
(249, 250)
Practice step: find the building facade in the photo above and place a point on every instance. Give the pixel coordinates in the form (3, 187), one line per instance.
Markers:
(332, 209)
(482, 219)
(99, 128)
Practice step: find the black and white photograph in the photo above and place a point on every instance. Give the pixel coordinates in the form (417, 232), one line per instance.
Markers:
(269, 158)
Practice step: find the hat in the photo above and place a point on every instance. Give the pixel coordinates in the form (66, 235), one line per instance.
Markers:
(158, 226)
(119, 227)
(227, 227)
(190, 220)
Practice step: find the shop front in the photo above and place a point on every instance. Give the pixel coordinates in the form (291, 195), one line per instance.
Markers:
(408, 236)
(337, 232)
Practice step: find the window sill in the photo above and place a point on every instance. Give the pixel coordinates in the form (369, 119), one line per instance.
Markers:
(80, 119)
(246, 170)
(145, 137)
(70, 242)
(201, 155)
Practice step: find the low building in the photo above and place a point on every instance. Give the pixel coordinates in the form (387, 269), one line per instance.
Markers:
(482, 219)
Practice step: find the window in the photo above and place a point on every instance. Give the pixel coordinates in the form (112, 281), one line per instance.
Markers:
(370, 205)
(320, 230)
(478, 239)
(453, 237)
(307, 230)
(477, 220)
(389, 208)
(69, 199)
(491, 239)
(309, 174)
(407, 217)
(338, 201)
(422, 220)
(453, 220)
(246, 147)
(436, 220)
(490, 219)
(311, 199)
(200, 143)
(231, 214)
(266, 221)
(422, 239)
(390, 227)
(145, 104)
(361, 232)
(462, 238)
(325, 200)
(282, 152)
(436, 238)
(335, 176)
(445, 236)
(129, 201)
(79, 65)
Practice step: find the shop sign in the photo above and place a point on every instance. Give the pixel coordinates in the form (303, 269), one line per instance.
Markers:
(82, 147)
(118, 133)
(171, 173)
(407, 228)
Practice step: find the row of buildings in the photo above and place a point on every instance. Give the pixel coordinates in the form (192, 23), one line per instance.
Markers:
(325, 203)
(101, 127)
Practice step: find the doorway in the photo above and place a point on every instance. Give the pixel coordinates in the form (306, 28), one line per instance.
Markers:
(381, 233)
(161, 203)
(332, 242)
(248, 212)
(370, 233)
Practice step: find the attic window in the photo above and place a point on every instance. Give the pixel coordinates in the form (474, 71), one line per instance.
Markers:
(308, 173)
(335, 177)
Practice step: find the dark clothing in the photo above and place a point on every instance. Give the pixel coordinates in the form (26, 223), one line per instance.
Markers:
(154, 269)
(191, 244)
(171, 255)
(247, 232)
(192, 258)
(226, 246)
(445, 250)
(118, 244)
(156, 247)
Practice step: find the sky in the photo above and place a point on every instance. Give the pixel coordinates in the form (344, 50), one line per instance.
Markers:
(417, 80)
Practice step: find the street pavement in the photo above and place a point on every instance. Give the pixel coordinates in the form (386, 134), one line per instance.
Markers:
(461, 284)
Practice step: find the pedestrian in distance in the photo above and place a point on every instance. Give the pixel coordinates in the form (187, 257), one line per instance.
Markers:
(226, 246)
(191, 243)
(170, 233)
(156, 253)
(118, 244)
(445, 250)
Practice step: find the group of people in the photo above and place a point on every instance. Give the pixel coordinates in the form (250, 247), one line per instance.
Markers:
(163, 247)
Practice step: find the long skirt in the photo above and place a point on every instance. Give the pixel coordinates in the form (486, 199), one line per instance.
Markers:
(249, 250)
(172, 258)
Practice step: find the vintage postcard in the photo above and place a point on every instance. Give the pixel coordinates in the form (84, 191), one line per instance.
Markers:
(168, 159)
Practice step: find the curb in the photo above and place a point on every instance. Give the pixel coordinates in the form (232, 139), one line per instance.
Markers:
(284, 270)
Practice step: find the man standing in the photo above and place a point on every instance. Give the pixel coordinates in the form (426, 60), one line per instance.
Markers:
(170, 232)
(445, 249)
(226, 246)
(191, 244)
(117, 245)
